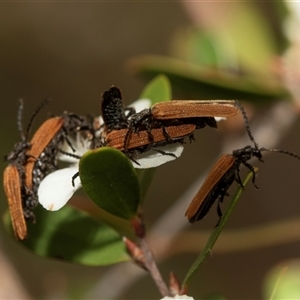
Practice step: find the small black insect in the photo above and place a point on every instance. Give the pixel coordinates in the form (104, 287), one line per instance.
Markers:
(113, 110)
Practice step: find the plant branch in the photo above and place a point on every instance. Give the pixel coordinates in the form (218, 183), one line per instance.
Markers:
(152, 268)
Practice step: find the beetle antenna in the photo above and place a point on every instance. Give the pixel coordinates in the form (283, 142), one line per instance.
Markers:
(46, 100)
(241, 108)
(69, 154)
(281, 151)
(19, 119)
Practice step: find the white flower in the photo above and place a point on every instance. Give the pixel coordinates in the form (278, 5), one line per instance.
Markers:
(140, 104)
(56, 188)
(218, 119)
(152, 158)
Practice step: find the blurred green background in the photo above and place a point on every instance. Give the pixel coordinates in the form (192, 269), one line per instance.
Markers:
(72, 52)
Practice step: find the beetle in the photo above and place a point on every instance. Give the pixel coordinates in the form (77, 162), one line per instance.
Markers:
(188, 111)
(42, 156)
(197, 112)
(14, 175)
(158, 119)
(225, 171)
(32, 161)
(218, 181)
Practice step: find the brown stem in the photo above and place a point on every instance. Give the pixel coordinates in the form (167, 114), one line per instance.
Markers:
(150, 264)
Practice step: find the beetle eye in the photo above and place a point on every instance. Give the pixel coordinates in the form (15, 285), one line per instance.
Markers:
(258, 154)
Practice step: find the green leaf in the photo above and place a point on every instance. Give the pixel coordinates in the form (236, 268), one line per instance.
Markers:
(158, 90)
(199, 82)
(109, 179)
(71, 235)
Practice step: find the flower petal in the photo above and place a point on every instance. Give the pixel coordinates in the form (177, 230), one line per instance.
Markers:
(152, 158)
(140, 104)
(218, 119)
(66, 148)
(80, 145)
(56, 188)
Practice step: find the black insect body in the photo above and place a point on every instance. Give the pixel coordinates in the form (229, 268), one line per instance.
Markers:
(113, 111)
(219, 180)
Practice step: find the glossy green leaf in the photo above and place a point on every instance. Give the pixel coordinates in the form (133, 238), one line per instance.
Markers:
(201, 82)
(109, 179)
(157, 90)
(71, 235)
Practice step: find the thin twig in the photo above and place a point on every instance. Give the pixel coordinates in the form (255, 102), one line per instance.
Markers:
(152, 268)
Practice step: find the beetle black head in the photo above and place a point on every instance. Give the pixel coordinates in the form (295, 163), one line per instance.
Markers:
(113, 111)
(246, 153)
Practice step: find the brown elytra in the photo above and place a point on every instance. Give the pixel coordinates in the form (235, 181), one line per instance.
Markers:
(13, 191)
(40, 140)
(117, 138)
(178, 109)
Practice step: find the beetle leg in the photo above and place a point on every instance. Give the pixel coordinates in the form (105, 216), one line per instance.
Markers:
(74, 177)
(253, 173)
